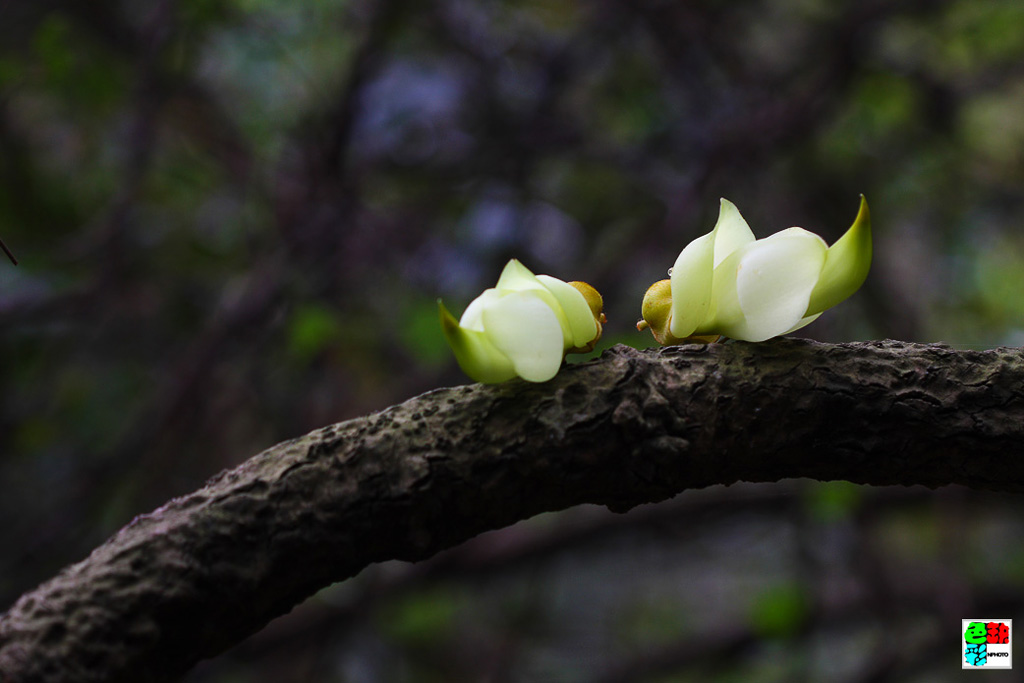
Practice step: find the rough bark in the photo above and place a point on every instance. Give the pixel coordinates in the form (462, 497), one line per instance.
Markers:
(206, 570)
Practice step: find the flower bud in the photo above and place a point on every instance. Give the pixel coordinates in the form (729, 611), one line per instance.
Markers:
(524, 326)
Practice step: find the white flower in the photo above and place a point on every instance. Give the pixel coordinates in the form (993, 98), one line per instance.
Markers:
(524, 325)
(726, 283)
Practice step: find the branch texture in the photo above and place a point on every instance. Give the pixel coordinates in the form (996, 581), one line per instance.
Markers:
(208, 569)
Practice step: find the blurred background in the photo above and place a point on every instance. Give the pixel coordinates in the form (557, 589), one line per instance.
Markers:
(234, 217)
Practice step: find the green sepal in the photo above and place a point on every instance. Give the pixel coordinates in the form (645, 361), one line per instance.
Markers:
(475, 353)
(846, 264)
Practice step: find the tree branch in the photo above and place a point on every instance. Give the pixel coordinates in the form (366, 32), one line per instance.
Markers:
(208, 569)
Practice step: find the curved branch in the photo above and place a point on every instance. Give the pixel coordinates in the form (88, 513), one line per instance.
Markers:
(208, 569)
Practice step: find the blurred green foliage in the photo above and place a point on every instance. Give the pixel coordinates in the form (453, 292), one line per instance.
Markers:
(833, 500)
(234, 219)
(424, 620)
(779, 611)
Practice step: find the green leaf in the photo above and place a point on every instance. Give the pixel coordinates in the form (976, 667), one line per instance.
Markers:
(419, 334)
(833, 500)
(52, 44)
(311, 330)
(779, 611)
(422, 619)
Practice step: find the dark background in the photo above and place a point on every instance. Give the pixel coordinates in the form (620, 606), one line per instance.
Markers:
(234, 218)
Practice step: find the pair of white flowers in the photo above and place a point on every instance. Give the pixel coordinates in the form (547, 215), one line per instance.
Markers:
(723, 284)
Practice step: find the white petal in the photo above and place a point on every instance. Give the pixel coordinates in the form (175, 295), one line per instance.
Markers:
(471, 318)
(764, 287)
(524, 328)
(731, 231)
(516, 277)
(582, 326)
(691, 286)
